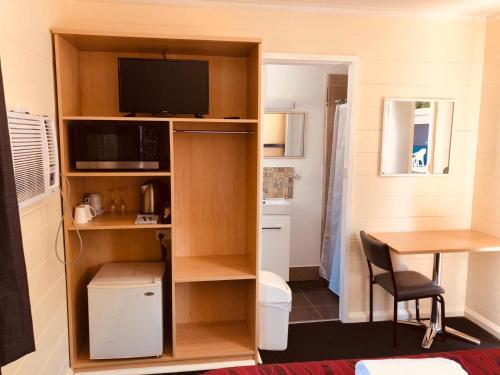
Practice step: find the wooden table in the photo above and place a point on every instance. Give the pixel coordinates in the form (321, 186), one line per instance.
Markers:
(438, 243)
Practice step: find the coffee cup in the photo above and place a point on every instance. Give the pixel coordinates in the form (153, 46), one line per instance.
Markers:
(84, 213)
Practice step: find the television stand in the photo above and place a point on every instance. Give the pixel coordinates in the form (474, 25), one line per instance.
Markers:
(131, 114)
(198, 115)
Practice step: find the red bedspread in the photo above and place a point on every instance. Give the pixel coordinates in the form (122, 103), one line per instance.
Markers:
(475, 362)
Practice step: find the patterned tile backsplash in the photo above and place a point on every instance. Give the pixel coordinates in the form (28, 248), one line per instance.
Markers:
(278, 182)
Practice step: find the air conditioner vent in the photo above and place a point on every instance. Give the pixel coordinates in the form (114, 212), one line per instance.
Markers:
(51, 134)
(34, 156)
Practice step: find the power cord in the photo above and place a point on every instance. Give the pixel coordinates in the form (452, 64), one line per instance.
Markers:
(64, 210)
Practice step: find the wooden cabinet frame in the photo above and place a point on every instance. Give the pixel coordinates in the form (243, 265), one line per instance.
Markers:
(214, 180)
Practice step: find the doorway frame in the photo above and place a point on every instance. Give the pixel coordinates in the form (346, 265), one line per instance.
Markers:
(352, 91)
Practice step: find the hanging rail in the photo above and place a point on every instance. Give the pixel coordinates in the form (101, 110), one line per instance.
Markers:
(214, 131)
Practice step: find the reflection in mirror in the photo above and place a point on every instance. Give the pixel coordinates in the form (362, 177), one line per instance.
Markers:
(284, 134)
(416, 136)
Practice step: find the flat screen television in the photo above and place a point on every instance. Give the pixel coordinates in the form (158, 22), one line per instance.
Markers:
(163, 86)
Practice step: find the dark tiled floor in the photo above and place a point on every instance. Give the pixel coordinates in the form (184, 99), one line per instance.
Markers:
(312, 301)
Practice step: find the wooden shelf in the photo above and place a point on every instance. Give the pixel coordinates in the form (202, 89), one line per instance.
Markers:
(213, 339)
(160, 119)
(116, 221)
(83, 359)
(117, 174)
(158, 43)
(212, 268)
(115, 118)
(216, 120)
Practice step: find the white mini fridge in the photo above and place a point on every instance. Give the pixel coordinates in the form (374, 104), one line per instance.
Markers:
(126, 311)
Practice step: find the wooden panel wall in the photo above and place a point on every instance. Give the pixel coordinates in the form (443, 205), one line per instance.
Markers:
(68, 77)
(203, 301)
(99, 83)
(211, 187)
(111, 187)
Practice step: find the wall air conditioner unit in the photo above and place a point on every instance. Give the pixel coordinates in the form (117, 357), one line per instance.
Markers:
(33, 141)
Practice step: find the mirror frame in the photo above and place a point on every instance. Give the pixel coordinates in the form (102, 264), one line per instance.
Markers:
(276, 111)
(385, 130)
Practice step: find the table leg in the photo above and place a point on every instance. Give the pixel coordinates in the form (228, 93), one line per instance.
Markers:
(412, 322)
(435, 324)
(461, 335)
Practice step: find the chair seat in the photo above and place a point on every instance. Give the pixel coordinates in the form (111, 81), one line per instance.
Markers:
(411, 285)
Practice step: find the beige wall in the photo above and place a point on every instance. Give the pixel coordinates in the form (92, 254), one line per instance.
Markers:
(483, 291)
(25, 52)
(399, 57)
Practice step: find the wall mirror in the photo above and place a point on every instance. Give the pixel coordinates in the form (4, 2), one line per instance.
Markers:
(284, 134)
(416, 136)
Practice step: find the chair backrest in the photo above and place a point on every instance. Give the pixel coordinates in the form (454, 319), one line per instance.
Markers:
(376, 252)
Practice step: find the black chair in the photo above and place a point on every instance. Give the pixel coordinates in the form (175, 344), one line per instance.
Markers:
(403, 285)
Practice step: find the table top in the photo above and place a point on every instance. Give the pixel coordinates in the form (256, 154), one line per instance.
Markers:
(440, 241)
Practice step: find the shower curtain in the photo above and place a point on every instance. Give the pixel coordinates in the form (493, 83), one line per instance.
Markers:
(331, 242)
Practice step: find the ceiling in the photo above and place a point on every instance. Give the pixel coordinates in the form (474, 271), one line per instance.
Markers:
(466, 8)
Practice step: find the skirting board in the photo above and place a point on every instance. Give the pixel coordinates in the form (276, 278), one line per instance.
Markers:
(381, 315)
(303, 273)
(168, 368)
(482, 322)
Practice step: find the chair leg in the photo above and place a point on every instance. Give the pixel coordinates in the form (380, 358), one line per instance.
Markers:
(371, 301)
(434, 306)
(417, 310)
(443, 318)
(395, 325)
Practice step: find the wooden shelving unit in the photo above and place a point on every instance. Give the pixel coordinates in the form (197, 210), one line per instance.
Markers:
(108, 221)
(162, 119)
(83, 361)
(214, 182)
(213, 268)
(117, 174)
(212, 339)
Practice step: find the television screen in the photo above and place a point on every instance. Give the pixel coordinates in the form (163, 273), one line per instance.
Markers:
(163, 86)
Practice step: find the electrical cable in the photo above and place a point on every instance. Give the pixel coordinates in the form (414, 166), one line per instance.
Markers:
(64, 210)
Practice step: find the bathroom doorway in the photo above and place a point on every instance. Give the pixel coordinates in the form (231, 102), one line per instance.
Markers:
(300, 96)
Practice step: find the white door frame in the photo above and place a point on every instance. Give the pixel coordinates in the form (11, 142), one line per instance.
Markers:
(352, 88)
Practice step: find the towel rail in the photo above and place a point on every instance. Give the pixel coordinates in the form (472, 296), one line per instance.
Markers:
(213, 131)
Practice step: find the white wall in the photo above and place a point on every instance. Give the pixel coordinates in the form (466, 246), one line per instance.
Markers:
(26, 55)
(306, 86)
(483, 289)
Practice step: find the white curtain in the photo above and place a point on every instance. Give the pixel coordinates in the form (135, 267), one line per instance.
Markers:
(331, 245)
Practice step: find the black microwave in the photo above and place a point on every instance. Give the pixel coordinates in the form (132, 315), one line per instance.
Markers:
(119, 145)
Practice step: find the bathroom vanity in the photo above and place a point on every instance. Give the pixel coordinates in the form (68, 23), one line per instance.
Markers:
(275, 223)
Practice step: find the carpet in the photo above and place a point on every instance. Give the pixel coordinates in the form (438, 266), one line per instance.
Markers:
(336, 340)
